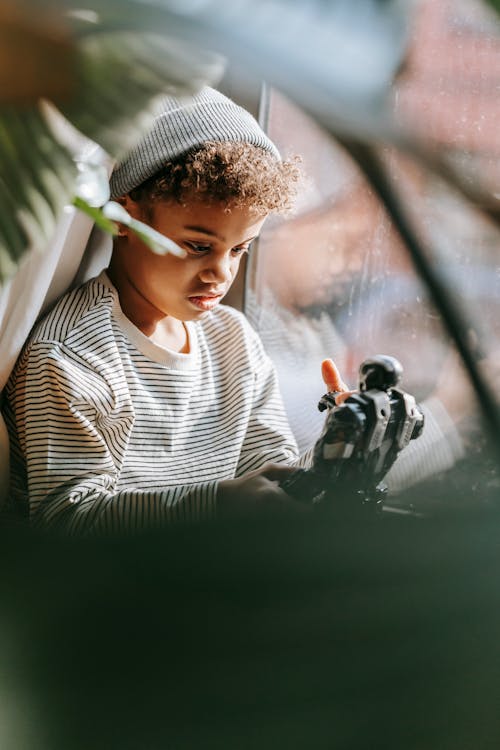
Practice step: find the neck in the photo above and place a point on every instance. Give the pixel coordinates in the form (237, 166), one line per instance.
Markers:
(152, 322)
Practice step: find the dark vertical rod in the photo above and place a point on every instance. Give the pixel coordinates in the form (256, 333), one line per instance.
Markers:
(375, 171)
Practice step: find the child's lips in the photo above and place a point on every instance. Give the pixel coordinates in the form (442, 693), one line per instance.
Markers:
(205, 301)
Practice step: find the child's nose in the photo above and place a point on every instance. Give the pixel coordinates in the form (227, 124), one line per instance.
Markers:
(217, 269)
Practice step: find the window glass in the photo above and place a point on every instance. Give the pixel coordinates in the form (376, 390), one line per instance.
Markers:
(333, 279)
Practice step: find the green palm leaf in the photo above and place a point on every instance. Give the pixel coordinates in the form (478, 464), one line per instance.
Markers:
(120, 73)
(36, 178)
(117, 76)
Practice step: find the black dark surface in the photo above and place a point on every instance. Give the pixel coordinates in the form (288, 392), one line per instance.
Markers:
(289, 633)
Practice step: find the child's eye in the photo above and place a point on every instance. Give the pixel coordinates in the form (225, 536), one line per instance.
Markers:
(198, 249)
(240, 250)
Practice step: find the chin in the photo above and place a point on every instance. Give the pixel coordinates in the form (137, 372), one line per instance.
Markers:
(194, 315)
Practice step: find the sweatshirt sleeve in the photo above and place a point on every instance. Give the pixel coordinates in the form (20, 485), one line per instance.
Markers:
(269, 437)
(71, 431)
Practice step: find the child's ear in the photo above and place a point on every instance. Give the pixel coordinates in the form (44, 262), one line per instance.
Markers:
(132, 207)
(122, 201)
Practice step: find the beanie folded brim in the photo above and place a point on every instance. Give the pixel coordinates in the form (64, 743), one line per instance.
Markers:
(181, 126)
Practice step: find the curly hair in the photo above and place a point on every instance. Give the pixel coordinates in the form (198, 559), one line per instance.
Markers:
(240, 175)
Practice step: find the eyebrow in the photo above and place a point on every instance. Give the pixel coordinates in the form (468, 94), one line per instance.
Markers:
(204, 230)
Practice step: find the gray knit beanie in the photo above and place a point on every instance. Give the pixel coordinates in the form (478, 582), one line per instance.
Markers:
(182, 125)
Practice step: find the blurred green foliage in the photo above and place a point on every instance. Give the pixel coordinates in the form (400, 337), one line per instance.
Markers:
(117, 76)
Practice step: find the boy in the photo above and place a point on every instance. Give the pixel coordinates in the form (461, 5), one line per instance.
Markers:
(140, 399)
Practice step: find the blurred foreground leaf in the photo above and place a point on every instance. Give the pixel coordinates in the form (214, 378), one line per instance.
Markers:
(97, 216)
(494, 4)
(36, 55)
(156, 241)
(117, 77)
(36, 179)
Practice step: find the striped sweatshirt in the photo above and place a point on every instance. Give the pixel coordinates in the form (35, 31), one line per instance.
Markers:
(110, 431)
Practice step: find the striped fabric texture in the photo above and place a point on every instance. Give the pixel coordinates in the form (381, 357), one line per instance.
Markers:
(110, 431)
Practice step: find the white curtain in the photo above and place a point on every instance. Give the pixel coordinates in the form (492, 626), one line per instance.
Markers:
(74, 254)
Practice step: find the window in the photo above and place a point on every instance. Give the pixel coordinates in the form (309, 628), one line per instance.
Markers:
(334, 279)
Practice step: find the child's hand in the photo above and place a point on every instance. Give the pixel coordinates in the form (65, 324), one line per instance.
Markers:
(256, 493)
(334, 382)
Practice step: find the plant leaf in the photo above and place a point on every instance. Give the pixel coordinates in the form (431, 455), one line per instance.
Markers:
(97, 215)
(157, 242)
(118, 76)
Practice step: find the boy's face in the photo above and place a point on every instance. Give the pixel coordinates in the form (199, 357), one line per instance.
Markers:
(214, 240)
